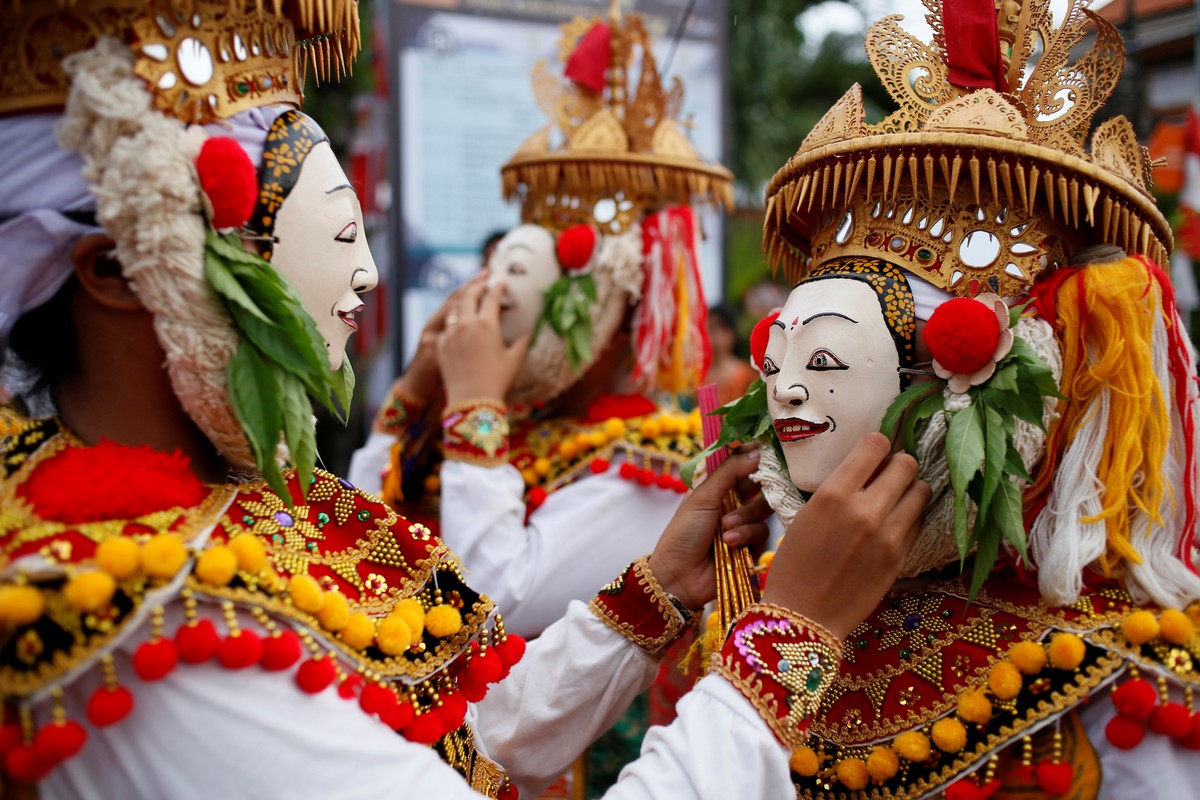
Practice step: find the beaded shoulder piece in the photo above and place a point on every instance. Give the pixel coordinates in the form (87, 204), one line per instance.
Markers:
(336, 582)
(932, 688)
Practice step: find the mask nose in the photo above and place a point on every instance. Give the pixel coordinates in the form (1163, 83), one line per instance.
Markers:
(794, 395)
(366, 276)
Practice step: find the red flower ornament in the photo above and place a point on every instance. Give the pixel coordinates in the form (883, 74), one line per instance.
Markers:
(967, 338)
(228, 180)
(575, 247)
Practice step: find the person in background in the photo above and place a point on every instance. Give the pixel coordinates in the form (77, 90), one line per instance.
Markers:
(730, 370)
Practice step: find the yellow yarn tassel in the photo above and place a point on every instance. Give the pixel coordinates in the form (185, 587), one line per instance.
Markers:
(1106, 315)
(393, 488)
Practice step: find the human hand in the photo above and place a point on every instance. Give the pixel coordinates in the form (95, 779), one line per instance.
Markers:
(422, 380)
(472, 358)
(846, 546)
(682, 561)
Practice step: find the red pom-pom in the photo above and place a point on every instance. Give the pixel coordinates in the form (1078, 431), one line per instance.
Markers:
(348, 689)
(240, 651)
(646, 477)
(1135, 699)
(154, 660)
(24, 763)
(376, 699)
(962, 335)
(197, 642)
(111, 481)
(425, 728)
(472, 689)
(1022, 774)
(575, 246)
(398, 716)
(10, 737)
(1124, 733)
(537, 496)
(599, 465)
(315, 675)
(511, 650)
(665, 481)
(109, 706)
(628, 471)
(453, 711)
(228, 178)
(1171, 719)
(508, 792)
(622, 406)
(485, 666)
(1192, 740)
(967, 789)
(680, 487)
(1055, 779)
(280, 650)
(759, 338)
(58, 741)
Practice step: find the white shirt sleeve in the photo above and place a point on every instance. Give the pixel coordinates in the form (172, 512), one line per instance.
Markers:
(368, 462)
(204, 732)
(583, 536)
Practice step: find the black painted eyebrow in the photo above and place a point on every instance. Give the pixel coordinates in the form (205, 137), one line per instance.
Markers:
(339, 188)
(829, 314)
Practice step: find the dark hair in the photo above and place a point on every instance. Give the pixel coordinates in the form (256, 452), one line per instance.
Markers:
(723, 312)
(43, 342)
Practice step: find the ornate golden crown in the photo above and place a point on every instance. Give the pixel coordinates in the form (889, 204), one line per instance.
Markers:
(202, 59)
(622, 143)
(973, 190)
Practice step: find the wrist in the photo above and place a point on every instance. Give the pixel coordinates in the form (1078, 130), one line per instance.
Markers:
(399, 410)
(476, 431)
(640, 609)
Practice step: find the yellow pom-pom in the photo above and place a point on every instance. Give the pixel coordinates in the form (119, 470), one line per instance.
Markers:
(1029, 657)
(882, 764)
(442, 621)
(20, 605)
(1004, 680)
(974, 706)
(804, 762)
(567, 449)
(217, 565)
(651, 428)
(413, 615)
(119, 557)
(713, 620)
(542, 466)
(431, 483)
(949, 735)
(358, 632)
(912, 746)
(1175, 626)
(598, 438)
(90, 591)
(669, 424)
(530, 477)
(251, 555)
(335, 611)
(1066, 651)
(163, 556)
(307, 594)
(614, 427)
(852, 773)
(583, 441)
(1140, 627)
(694, 423)
(393, 636)
(766, 559)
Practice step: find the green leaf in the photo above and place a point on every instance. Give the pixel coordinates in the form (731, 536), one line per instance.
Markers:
(227, 286)
(587, 284)
(298, 429)
(1027, 401)
(962, 534)
(964, 446)
(343, 389)
(1004, 379)
(1013, 465)
(1014, 313)
(996, 447)
(254, 395)
(929, 406)
(1007, 517)
(985, 559)
(904, 403)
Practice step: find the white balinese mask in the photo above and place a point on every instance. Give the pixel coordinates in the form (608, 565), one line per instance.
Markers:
(322, 248)
(525, 265)
(831, 368)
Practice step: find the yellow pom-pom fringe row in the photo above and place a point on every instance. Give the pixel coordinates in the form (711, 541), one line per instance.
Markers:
(442, 621)
(804, 762)
(852, 773)
(217, 565)
(90, 591)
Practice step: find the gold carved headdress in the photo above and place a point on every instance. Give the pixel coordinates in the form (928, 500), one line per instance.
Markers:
(203, 59)
(621, 139)
(973, 189)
